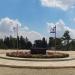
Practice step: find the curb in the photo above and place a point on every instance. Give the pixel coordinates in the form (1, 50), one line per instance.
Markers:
(37, 59)
(37, 67)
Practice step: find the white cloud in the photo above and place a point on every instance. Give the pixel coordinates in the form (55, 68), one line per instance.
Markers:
(62, 4)
(60, 28)
(32, 35)
(7, 25)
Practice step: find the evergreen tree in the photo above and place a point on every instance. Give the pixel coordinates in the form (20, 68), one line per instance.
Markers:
(38, 43)
(13, 42)
(29, 45)
(2, 46)
(58, 43)
(51, 42)
(22, 43)
(66, 37)
(7, 42)
(44, 43)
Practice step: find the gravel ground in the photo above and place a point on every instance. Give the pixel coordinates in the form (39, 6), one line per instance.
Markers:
(24, 71)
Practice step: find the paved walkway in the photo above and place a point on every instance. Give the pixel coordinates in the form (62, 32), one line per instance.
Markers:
(39, 64)
(33, 64)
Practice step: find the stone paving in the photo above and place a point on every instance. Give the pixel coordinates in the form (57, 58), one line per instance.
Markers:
(39, 64)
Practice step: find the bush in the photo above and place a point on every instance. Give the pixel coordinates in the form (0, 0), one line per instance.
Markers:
(22, 54)
(18, 54)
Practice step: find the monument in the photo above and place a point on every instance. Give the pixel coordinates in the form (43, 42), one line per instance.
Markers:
(38, 48)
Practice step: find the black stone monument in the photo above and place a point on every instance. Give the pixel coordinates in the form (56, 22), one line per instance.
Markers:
(38, 50)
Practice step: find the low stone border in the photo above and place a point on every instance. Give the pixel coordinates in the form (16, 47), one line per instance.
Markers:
(37, 59)
(37, 67)
(5, 62)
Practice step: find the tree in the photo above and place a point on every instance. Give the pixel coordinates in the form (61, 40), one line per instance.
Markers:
(58, 43)
(22, 43)
(72, 45)
(2, 46)
(29, 45)
(6, 42)
(44, 43)
(51, 42)
(38, 43)
(66, 37)
(13, 42)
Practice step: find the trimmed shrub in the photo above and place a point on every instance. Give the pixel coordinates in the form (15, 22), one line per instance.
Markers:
(22, 54)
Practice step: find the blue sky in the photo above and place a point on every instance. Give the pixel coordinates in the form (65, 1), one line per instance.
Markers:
(38, 15)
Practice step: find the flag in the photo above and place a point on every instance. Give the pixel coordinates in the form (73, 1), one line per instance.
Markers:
(53, 30)
(14, 29)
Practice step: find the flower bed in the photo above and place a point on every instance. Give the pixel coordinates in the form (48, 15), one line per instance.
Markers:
(18, 54)
(22, 54)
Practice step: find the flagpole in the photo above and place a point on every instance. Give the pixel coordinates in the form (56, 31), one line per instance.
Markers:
(17, 36)
(55, 31)
(55, 37)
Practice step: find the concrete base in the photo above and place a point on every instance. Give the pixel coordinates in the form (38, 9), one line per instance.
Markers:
(44, 64)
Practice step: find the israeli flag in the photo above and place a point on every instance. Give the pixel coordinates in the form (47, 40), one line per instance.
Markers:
(15, 28)
(53, 30)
